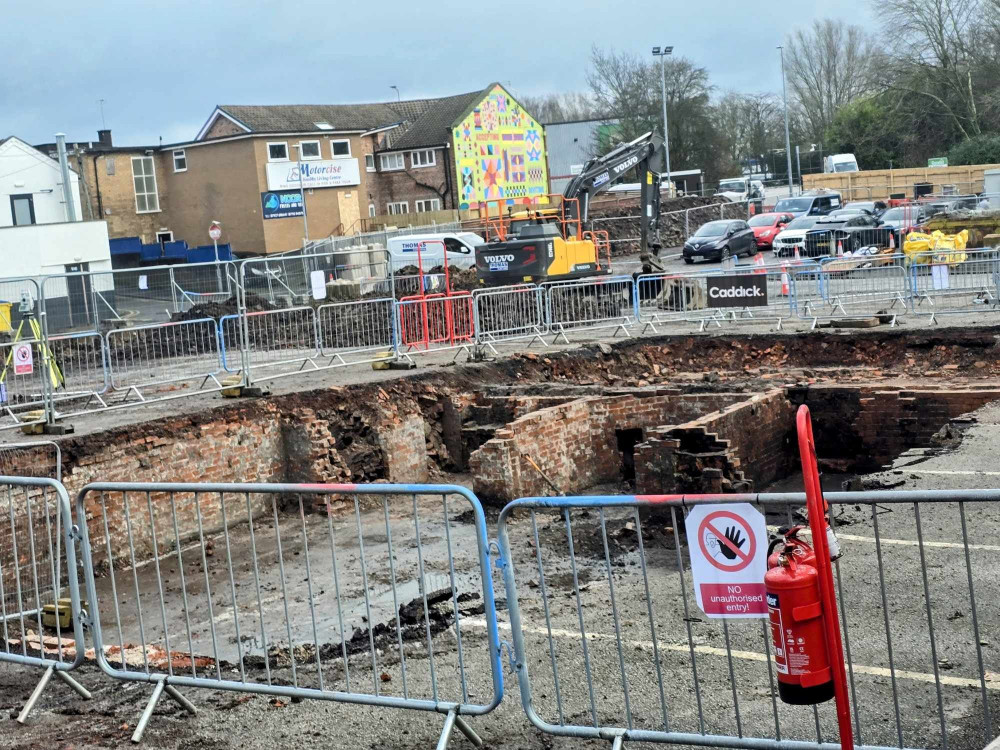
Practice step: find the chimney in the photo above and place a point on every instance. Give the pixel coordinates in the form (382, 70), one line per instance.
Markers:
(104, 137)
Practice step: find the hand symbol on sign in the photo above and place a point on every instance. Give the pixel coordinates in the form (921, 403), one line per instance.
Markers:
(733, 535)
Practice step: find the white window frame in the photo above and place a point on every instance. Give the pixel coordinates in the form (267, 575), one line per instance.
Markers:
(179, 153)
(372, 211)
(302, 151)
(417, 205)
(369, 162)
(393, 208)
(394, 156)
(165, 231)
(340, 156)
(277, 143)
(415, 164)
(155, 193)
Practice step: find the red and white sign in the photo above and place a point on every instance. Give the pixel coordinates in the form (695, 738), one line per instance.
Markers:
(215, 232)
(728, 544)
(24, 361)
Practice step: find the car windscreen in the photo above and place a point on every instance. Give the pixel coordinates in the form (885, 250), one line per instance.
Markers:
(845, 166)
(794, 204)
(763, 220)
(732, 186)
(712, 229)
(803, 222)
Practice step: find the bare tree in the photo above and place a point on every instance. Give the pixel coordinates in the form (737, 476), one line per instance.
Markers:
(829, 65)
(549, 108)
(934, 44)
(751, 125)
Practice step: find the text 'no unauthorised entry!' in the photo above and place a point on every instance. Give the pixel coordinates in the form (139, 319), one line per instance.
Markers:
(728, 544)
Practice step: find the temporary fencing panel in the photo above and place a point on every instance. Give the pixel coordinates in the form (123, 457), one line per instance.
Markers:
(436, 322)
(838, 291)
(37, 570)
(353, 332)
(952, 282)
(333, 592)
(509, 313)
(588, 304)
(609, 643)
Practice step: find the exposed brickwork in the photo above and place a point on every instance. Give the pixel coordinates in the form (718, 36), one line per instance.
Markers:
(574, 444)
(748, 441)
(411, 184)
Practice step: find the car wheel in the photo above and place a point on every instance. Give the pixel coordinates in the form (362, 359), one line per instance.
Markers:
(689, 261)
(753, 250)
(725, 254)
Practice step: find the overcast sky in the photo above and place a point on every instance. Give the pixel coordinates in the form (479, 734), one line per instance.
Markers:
(162, 67)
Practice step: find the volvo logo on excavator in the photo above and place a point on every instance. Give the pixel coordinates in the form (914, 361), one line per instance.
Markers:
(630, 162)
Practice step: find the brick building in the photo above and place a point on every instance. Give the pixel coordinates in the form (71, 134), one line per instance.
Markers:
(249, 165)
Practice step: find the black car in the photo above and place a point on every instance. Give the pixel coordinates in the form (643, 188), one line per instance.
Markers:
(851, 232)
(718, 240)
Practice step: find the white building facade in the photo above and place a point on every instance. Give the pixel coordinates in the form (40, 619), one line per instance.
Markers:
(31, 190)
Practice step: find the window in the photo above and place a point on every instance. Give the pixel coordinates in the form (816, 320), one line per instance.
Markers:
(340, 148)
(370, 162)
(429, 204)
(180, 161)
(144, 180)
(22, 209)
(402, 207)
(371, 210)
(164, 236)
(391, 162)
(277, 151)
(323, 126)
(109, 165)
(422, 158)
(309, 150)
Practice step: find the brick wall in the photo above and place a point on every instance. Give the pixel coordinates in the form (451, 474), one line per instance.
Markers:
(411, 184)
(749, 441)
(575, 443)
(862, 428)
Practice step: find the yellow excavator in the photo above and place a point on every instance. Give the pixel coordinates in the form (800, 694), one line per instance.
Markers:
(550, 244)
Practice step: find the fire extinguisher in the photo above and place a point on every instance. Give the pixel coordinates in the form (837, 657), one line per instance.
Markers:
(795, 610)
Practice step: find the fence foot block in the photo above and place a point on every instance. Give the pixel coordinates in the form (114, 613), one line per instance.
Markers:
(58, 429)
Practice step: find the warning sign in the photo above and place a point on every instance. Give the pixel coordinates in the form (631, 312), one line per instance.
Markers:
(24, 363)
(728, 545)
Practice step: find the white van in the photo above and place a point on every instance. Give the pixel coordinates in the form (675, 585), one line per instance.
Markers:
(840, 163)
(461, 248)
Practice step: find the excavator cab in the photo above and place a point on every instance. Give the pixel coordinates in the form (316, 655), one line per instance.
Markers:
(537, 244)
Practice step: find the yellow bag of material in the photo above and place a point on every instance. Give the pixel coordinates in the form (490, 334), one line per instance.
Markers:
(937, 248)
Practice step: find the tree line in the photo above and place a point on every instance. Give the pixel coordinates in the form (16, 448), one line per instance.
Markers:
(925, 84)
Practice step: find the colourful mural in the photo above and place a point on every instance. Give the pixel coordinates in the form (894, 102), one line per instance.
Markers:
(500, 154)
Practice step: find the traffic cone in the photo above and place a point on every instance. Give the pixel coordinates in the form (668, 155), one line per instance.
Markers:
(892, 240)
(330, 280)
(759, 263)
(840, 248)
(784, 281)
(798, 258)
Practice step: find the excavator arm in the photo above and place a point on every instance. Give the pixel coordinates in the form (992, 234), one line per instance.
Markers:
(646, 154)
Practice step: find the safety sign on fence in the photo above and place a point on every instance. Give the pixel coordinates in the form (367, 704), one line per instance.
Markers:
(23, 360)
(728, 545)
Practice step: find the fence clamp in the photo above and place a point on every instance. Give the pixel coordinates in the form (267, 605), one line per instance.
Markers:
(499, 563)
(74, 533)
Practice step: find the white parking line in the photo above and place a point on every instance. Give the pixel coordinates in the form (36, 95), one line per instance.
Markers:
(992, 678)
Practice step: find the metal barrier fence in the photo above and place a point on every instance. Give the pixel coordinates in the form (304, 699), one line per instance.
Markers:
(833, 292)
(949, 282)
(37, 567)
(589, 304)
(436, 322)
(608, 643)
(510, 313)
(210, 586)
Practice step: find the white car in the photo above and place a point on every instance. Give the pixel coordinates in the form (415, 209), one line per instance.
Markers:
(792, 236)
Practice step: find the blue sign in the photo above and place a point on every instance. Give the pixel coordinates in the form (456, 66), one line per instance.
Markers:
(281, 204)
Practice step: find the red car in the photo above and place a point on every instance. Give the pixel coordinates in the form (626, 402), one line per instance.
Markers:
(766, 226)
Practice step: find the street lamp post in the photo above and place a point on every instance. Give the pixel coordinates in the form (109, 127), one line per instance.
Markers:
(788, 147)
(396, 89)
(662, 54)
(302, 193)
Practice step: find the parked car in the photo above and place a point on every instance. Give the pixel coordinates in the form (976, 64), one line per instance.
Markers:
(875, 208)
(793, 236)
(811, 205)
(850, 232)
(904, 218)
(766, 226)
(718, 240)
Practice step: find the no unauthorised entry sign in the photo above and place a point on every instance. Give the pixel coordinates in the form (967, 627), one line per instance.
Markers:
(728, 544)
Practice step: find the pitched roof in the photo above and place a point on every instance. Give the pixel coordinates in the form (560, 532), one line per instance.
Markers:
(425, 122)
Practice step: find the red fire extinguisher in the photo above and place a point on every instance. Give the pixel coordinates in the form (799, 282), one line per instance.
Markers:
(795, 610)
